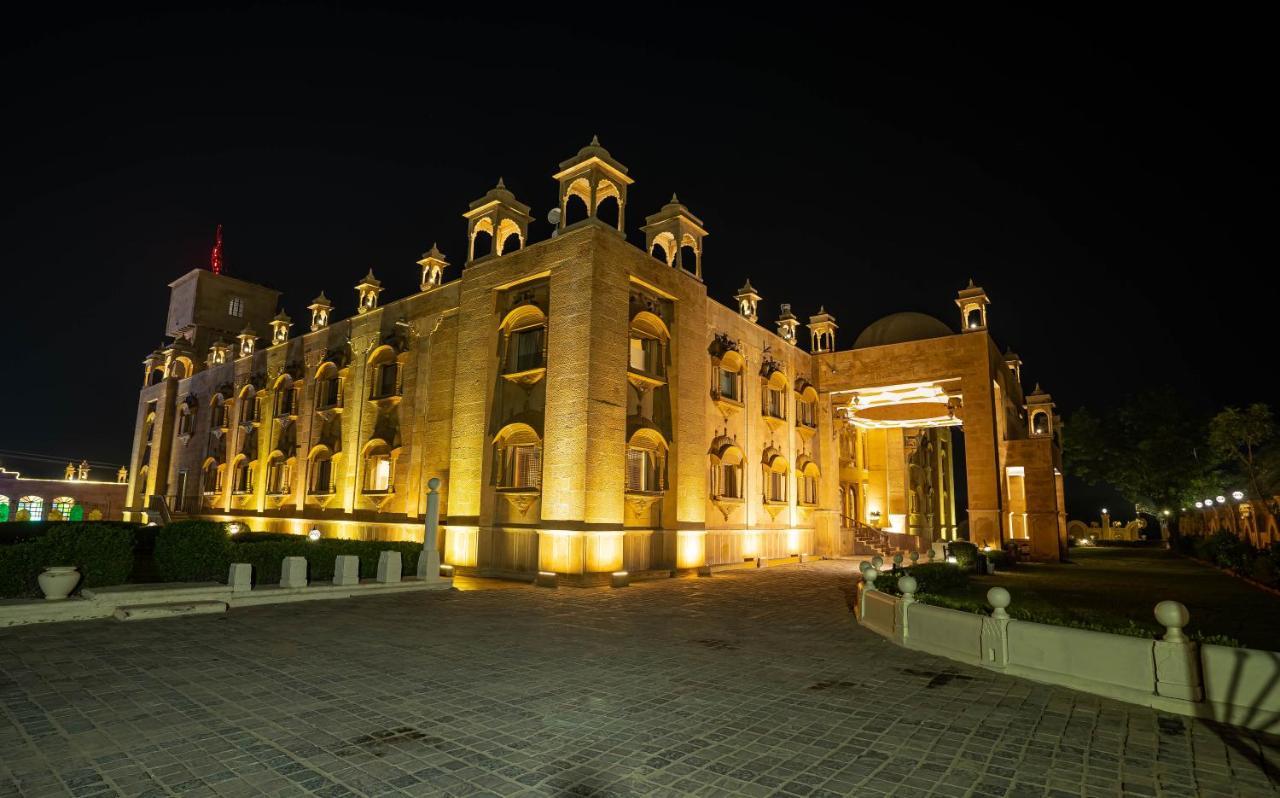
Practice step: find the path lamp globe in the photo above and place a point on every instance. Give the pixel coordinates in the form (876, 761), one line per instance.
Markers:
(1199, 505)
(1222, 500)
(1238, 495)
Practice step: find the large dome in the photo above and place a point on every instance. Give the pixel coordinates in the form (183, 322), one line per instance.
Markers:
(901, 327)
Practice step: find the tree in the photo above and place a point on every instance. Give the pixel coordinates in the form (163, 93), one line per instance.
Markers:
(1145, 448)
(1239, 437)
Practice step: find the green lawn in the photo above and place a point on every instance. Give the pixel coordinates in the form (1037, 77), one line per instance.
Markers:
(1114, 585)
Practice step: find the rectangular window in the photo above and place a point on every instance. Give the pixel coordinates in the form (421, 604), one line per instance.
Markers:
(805, 413)
(639, 470)
(219, 416)
(185, 420)
(388, 376)
(377, 477)
(775, 403)
(526, 466)
(646, 356)
(729, 381)
(524, 350)
(328, 393)
(322, 477)
(730, 484)
(777, 487)
(236, 307)
(810, 490)
(278, 478)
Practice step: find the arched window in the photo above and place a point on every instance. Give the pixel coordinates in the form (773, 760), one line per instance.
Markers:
(1040, 423)
(649, 337)
(328, 387)
(379, 467)
(30, 508)
(775, 475)
(608, 203)
(726, 469)
(60, 508)
(646, 462)
(517, 458)
(975, 318)
(664, 248)
(577, 201)
(384, 372)
(509, 237)
(250, 410)
(729, 377)
(807, 474)
(482, 239)
(149, 428)
(524, 334)
(4, 509)
(323, 471)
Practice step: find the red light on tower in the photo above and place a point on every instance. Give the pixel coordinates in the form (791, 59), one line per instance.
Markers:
(215, 259)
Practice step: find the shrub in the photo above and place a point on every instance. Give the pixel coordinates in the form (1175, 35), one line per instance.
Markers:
(192, 551)
(940, 577)
(267, 552)
(966, 553)
(1264, 570)
(1002, 560)
(102, 551)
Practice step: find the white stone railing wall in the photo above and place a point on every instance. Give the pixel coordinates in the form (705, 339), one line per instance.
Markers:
(1174, 673)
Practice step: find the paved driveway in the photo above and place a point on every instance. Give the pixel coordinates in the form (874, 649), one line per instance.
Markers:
(752, 683)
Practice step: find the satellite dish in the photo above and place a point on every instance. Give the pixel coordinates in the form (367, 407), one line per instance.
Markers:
(553, 216)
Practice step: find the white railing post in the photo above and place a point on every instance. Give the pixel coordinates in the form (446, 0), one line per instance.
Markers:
(1177, 656)
(995, 630)
(429, 559)
(908, 586)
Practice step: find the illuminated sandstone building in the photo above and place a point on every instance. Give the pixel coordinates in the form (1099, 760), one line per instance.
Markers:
(589, 408)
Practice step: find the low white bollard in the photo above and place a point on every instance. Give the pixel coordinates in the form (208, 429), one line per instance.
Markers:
(995, 630)
(388, 567)
(908, 586)
(293, 572)
(1177, 656)
(240, 577)
(346, 570)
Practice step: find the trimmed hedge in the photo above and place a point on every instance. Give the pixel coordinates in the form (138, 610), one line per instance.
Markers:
(933, 577)
(192, 551)
(966, 553)
(1236, 554)
(101, 550)
(267, 555)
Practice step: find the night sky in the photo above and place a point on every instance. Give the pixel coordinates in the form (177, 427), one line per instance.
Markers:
(1098, 174)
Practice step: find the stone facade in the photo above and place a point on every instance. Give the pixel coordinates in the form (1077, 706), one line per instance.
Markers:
(587, 407)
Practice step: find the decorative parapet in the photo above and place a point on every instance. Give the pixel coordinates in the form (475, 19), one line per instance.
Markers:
(1173, 673)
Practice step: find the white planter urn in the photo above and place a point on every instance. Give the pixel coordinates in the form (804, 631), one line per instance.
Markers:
(57, 581)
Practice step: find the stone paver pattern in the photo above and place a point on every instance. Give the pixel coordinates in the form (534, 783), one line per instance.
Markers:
(747, 683)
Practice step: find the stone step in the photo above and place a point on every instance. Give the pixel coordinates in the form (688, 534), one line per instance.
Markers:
(144, 612)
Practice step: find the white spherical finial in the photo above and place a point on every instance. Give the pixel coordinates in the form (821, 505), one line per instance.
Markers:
(931, 554)
(433, 483)
(897, 558)
(865, 566)
(869, 576)
(877, 561)
(999, 599)
(907, 585)
(1173, 616)
(915, 557)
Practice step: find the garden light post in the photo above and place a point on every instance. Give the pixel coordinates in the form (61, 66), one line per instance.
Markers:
(429, 560)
